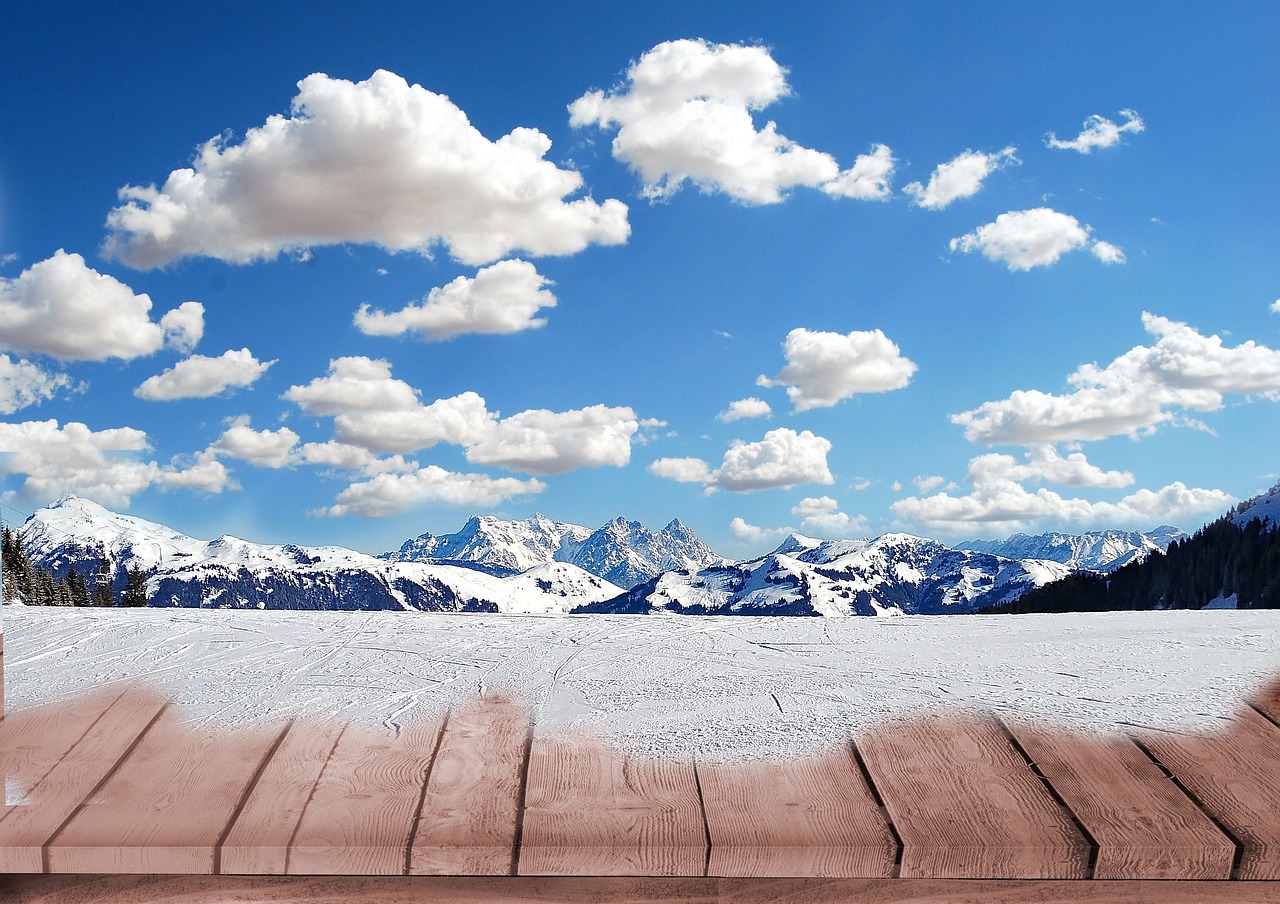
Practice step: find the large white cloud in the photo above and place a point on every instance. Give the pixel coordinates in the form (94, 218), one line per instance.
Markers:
(961, 177)
(824, 368)
(354, 385)
(1143, 388)
(821, 517)
(745, 408)
(63, 308)
(684, 113)
(551, 442)
(1022, 239)
(461, 420)
(200, 377)
(23, 384)
(783, 458)
(264, 448)
(387, 495)
(104, 465)
(503, 298)
(379, 161)
(1098, 132)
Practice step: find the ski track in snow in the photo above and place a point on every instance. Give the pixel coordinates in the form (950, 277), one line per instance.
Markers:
(713, 687)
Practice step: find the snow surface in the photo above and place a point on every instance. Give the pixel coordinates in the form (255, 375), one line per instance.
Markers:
(716, 687)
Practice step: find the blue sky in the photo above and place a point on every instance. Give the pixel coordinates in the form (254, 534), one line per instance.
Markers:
(346, 275)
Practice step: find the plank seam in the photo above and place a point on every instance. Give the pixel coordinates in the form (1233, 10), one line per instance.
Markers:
(293, 836)
(900, 848)
(1238, 858)
(244, 796)
(1262, 712)
(422, 795)
(1091, 866)
(706, 824)
(115, 767)
(521, 796)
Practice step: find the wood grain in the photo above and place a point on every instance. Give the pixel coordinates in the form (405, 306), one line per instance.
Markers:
(165, 807)
(967, 806)
(59, 754)
(361, 815)
(1144, 825)
(470, 813)
(1267, 699)
(811, 817)
(593, 810)
(1235, 775)
(258, 843)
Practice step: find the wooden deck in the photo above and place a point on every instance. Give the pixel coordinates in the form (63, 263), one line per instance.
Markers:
(497, 809)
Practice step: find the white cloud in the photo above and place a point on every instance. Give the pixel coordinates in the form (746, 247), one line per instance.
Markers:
(354, 385)
(549, 442)
(821, 517)
(859, 484)
(1022, 239)
(958, 178)
(745, 408)
(103, 465)
(1275, 306)
(868, 178)
(783, 458)
(824, 368)
(684, 113)
(751, 535)
(460, 420)
(1143, 388)
(23, 384)
(380, 162)
(926, 484)
(1098, 132)
(63, 308)
(1044, 464)
(264, 448)
(200, 377)
(388, 495)
(500, 299)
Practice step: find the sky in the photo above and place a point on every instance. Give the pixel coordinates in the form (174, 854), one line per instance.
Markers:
(345, 275)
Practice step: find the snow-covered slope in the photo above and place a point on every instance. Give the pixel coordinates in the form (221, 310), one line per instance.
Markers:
(1265, 507)
(890, 575)
(232, 573)
(622, 552)
(1101, 550)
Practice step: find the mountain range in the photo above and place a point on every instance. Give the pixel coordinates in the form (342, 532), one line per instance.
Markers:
(539, 565)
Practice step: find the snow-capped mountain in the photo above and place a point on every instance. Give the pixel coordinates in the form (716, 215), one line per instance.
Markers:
(889, 575)
(232, 573)
(1265, 507)
(622, 552)
(1099, 550)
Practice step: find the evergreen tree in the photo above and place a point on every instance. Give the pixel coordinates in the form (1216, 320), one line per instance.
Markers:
(77, 587)
(135, 588)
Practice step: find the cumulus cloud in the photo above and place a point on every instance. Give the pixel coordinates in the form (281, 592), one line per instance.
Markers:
(264, 448)
(549, 442)
(353, 385)
(200, 377)
(958, 178)
(821, 517)
(751, 535)
(460, 420)
(745, 408)
(388, 495)
(684, 114)
(104, 465)
(824, 368)
(63, 308)
(1275, 306)
(926, 484)
(1022, 239)
(380, 162)
(1143, 388)
(500, 299)
(1098, 132)
(23, 384)
(868, 178)
(783, 458)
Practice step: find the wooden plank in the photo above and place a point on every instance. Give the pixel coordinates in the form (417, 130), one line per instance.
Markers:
(593, 810)
(1144, 825)
(167, 804)
(1235, 776)
(992, 891)
(469, 818)
(1267, 699)
(361, 816)
(258, 843)
(810, 817)
(59, 754)
(967, 806)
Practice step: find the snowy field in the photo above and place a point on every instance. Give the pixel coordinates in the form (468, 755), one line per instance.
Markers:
(720, 687)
